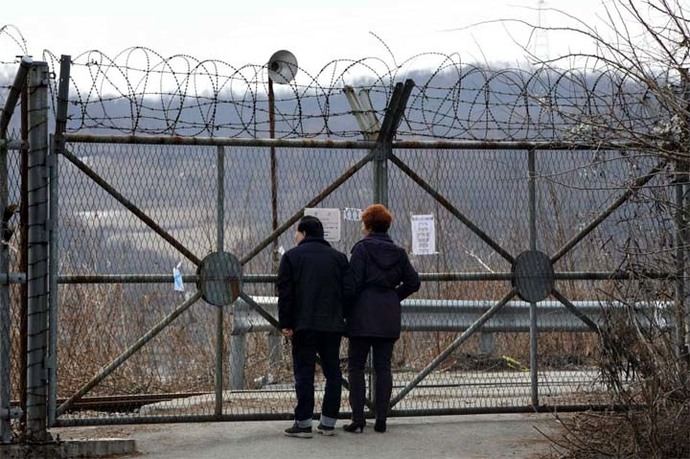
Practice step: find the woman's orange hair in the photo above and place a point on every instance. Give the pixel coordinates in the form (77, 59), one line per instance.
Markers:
(377, 218)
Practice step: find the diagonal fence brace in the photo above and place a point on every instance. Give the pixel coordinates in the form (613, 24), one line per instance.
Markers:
(454, 345)
(148, 221)
(451, 208)
(634, 187)
(320, 197)
(576, 312)
(122, 358)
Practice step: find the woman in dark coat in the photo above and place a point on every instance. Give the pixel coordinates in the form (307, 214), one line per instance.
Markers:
(381, 276)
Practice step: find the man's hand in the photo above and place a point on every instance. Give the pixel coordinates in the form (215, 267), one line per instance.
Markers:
(288, 332)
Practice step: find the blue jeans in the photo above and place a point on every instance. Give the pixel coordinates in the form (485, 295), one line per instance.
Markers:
(306, 344)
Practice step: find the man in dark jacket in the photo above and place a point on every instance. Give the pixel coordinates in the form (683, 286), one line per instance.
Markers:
(310, 311)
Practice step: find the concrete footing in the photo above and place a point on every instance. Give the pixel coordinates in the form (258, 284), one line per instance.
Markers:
(104, 447)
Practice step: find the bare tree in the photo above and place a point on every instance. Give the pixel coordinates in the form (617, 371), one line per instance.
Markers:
(642, 109)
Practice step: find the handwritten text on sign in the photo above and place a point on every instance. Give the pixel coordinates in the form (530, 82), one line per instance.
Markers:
(423, 235)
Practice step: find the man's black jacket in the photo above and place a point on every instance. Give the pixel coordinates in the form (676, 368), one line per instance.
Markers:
(311, 281)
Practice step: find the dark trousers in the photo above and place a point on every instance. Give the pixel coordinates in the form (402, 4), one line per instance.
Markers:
(358, 350)
(306, 344)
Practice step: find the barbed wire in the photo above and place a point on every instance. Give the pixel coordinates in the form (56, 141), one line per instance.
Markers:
(139, 91)
(12, 44)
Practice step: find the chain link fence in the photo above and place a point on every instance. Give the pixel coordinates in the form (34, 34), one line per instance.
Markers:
(172, 377)
(506, 161)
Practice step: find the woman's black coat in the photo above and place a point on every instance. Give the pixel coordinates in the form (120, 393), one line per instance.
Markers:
(381, 276)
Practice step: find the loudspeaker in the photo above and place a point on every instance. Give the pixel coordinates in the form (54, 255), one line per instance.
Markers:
(282, 67)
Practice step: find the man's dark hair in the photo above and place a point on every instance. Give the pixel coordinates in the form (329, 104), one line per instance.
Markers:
(310, 226)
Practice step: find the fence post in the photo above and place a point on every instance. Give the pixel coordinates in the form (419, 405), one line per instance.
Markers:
(58, 146)
(487, 343)
(23, 251)
(5, 343)
(384, 142)
(382, 153)
(220, 246)
(238, 346)
(37, 276)
(5, 316)
(533, 329)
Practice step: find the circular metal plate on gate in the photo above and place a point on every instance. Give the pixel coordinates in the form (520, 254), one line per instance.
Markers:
(533, 275)
(220, 278)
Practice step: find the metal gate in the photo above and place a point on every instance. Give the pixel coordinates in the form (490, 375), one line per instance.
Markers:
(127, 348)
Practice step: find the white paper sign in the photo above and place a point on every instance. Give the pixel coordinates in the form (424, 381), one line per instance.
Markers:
(423, 235)
(352, 214)
(330, 218)
(178, 284)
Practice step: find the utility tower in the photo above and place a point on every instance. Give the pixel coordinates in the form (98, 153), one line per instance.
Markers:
(540, 40)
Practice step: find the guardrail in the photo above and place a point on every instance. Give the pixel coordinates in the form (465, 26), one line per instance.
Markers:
(421, 315)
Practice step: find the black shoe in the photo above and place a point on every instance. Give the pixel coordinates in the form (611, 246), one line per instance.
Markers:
(354, 427)
(325, 430)
(298, 432)
(380, 425)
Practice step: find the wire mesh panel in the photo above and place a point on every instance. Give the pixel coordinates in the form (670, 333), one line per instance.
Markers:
(489, 189)
(178, 190)
(172, 377)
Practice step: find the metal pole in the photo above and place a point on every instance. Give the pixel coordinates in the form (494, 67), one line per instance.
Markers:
(5, 342)
(58, 145)
(238, 345)
(381, 173)
(381, 155)
(501, 145)
(274, 175)
(533, 331)
(37, 276)
(51, 358)
(220, 245)
(274, 337)
(13, 96)
(24, 253)
(425, 277)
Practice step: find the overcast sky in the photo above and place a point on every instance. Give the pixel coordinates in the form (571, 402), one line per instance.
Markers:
(316, 31)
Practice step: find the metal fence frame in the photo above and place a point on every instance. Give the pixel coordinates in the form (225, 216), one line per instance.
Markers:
(43, 276)
(587, 322)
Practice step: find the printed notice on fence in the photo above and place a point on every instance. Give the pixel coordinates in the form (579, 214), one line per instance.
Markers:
(330, 218)
(352, 214)
(178, 284)
(423, 235)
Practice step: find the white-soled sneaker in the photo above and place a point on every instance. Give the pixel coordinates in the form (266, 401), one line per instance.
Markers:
(325, 430)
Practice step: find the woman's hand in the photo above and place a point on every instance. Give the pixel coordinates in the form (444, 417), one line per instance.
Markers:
(287, 332)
